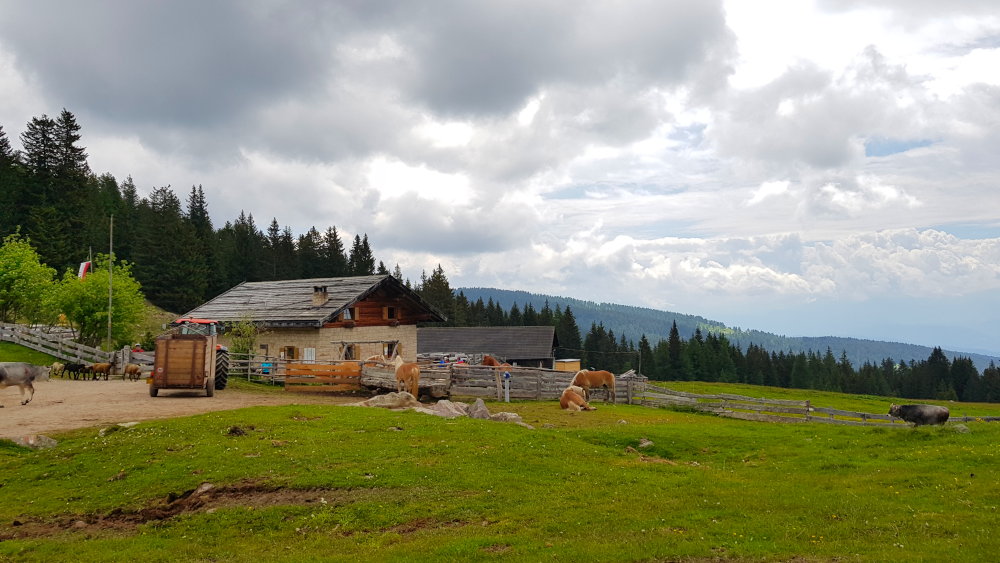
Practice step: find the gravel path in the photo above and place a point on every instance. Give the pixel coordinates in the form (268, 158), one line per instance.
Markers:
(66, 404)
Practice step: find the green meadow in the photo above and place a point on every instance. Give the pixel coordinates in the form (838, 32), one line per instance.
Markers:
(333, 483)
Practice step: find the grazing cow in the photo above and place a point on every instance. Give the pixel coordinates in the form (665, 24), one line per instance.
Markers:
(572, 400)
(101, 368)
(133, 372)
(588, 379)
(22, 374)
(920, 414)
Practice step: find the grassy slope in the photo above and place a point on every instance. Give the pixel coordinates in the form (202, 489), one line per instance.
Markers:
(10, 352)
(404, 486)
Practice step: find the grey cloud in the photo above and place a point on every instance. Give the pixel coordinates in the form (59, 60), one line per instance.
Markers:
(809, 117)
(411, 223)
(168, 63)
(489, 58)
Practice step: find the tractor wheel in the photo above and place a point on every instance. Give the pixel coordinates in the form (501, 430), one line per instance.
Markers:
(221, 369)
(153, 390)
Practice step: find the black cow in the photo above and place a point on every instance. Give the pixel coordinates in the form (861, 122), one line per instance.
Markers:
(920, 414)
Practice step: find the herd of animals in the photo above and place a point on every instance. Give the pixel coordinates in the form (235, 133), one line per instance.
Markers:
(574, 398)
(93, 371)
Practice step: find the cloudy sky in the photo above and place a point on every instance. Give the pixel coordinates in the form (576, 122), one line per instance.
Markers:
(806, 168)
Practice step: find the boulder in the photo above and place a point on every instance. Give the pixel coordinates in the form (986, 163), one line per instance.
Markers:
(506, 417)
(449, 409)
(479, 410)
(394, 400)
(35, 442)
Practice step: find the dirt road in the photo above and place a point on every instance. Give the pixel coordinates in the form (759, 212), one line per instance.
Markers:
(65, 404)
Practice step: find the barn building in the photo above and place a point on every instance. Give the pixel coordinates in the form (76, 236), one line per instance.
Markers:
(529, 346)
(326, 319)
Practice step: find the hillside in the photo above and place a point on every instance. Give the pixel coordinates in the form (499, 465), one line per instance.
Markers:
(633, 322)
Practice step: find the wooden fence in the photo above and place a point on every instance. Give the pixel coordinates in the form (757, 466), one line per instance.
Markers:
(774, 410)
(52, 344)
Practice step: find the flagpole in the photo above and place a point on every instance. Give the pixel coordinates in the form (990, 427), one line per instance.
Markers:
(111, 263)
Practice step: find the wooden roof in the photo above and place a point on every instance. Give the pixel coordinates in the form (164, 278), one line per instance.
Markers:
(289, 303)
(505, 342)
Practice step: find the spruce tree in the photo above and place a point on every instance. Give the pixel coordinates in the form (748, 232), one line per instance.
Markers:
(568, 334)
(308, 251)
(334, 258)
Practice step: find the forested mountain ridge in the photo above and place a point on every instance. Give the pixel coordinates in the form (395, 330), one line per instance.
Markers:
(632, 322)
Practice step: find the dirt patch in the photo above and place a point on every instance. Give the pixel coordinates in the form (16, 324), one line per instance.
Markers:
(61, 405)
(206, 498)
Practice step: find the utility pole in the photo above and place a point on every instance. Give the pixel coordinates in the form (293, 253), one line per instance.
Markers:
(111, 264)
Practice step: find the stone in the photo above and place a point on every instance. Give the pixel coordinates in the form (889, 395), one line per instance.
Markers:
(506, 417)
(479, 410)
(449, 409)
(394, 400)
(36, 442)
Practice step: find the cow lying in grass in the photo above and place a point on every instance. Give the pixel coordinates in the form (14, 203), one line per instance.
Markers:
(22, 375)
(572, 400)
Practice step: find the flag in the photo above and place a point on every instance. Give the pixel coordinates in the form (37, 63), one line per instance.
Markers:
(84, 269)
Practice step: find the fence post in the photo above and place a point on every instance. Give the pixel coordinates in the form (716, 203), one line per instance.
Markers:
(538, 386)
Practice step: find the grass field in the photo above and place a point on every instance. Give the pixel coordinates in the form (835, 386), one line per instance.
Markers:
(10, 352)
(303, 483)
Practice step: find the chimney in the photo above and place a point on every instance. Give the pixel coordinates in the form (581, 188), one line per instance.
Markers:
(319, 295)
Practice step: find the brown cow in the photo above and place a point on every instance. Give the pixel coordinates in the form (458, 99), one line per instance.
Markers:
(572, 400)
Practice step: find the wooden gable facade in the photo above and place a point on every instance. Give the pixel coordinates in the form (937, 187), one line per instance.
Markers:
(325, 319)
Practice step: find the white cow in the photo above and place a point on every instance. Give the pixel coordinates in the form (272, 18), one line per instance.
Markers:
(22, 374)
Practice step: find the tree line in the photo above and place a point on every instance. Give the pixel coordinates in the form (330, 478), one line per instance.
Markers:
(49, 195)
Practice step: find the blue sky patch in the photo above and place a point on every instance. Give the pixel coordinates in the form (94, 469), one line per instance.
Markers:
(880, 146)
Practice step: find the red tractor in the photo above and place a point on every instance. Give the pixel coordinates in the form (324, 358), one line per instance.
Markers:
(189, 356)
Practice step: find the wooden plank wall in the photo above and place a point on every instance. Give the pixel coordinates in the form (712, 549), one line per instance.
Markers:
(309, 377)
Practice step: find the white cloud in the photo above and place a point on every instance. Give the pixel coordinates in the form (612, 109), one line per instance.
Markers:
(699, 154)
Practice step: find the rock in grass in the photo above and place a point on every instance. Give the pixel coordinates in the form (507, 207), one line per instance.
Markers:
(35, 442)
(479, 410)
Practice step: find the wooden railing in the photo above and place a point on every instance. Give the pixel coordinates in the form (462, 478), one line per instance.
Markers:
(774, 410)
(52, 344)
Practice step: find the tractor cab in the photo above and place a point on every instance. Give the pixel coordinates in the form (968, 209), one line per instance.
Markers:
(203, 327)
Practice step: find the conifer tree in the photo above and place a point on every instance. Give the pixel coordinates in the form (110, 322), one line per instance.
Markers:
(334, 258)
(308, 250)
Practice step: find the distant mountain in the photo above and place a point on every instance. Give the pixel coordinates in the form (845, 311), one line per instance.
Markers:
(633, 322)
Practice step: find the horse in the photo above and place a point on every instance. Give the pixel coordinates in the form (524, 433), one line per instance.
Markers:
(596, 378)
(572, 400)
(407, 375)
(493, 362)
